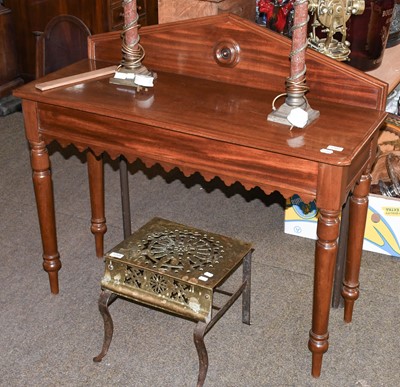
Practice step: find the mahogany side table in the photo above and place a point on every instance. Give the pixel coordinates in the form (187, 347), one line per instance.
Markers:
(204, 116)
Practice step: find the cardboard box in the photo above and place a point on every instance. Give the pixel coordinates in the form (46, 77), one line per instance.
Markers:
(382, 230)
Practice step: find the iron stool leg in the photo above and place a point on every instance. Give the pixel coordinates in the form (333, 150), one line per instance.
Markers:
(126, 206)
(105, 299)
(202, 328)
(246, 294)
(198, 336)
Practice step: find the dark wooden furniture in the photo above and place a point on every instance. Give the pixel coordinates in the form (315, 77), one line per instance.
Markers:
(98, 15)
(9, 65)
(210, 118)
(63, 41)
(177, 269)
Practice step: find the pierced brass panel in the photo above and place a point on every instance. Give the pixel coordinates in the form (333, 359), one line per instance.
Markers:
(172, 267)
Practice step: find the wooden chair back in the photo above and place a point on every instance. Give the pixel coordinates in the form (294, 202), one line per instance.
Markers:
(63, 41)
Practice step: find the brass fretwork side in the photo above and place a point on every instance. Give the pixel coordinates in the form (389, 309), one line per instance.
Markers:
(172, 267)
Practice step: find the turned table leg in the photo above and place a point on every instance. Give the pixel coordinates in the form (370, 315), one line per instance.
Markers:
(337, 299)
(96, 187)
(357, 221)
(43, 187)
(325, 258)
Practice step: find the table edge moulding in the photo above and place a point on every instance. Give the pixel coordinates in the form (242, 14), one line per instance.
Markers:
(206, 116)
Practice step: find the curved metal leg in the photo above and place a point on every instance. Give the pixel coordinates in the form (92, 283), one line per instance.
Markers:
(198, 336)
(105, 299)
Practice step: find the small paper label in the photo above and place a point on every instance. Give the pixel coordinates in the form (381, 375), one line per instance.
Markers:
(327, 151)
(298, 117)
(116, 255)
(203, 278)
(119, 75)
(194, 304)
(144, 80)
(335, 148)
(208, 274)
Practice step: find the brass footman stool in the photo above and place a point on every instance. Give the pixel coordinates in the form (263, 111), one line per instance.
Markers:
(178, 269)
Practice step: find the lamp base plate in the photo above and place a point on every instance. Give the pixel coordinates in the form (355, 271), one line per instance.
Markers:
(280, 115)
(124, 76)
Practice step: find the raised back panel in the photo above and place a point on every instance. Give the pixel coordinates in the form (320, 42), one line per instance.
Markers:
(188, 47)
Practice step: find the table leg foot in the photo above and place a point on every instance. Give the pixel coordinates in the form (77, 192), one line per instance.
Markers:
(318, 345)
(316, 365)
(52, 266)
(98, 229)
(348, 312)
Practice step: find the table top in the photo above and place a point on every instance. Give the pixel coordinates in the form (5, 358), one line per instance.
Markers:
(215, 110)
(198, 125)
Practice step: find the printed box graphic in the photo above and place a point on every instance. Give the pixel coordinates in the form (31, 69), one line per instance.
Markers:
(382, 230)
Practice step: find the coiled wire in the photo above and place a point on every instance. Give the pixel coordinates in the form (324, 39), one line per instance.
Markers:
(296, 83)
(134, 52)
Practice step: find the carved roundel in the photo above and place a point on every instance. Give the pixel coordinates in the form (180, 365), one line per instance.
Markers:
(227, 53)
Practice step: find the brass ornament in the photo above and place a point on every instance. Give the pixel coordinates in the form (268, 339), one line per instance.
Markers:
(172, 267)
(331, 16)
